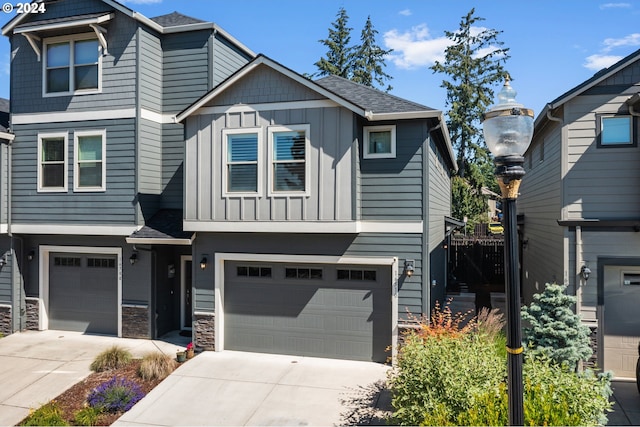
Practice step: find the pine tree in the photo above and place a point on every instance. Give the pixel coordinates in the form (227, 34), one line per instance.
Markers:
(554, 329)
(339, 57)
(369, 59)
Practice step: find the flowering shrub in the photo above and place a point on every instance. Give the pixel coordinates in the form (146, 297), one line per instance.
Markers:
(115, 395)
(190, 346)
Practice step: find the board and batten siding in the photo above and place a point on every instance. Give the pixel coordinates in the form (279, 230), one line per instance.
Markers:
(392, 189)
(601, 182)
(329, 157)
(113, 206)
(119, 78)
(540, 202)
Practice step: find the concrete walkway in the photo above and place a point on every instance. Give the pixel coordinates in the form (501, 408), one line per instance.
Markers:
(35, 367)
(249, 389)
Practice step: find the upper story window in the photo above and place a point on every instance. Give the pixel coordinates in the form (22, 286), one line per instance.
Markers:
(72, 65)
(379, 142)
(289, 159)
(616, 131)
(242, 148)
(90, 165)
(52, 162)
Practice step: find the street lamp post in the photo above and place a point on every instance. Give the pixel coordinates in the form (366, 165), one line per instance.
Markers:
(508, 128)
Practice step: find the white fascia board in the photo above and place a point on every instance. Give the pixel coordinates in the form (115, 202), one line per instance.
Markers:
(62, 25)
(314, 227)
(7, 136)
(82, 230)
(72, 116)
(275, 106)
(425, 114)
(156, 117)
(151, 241)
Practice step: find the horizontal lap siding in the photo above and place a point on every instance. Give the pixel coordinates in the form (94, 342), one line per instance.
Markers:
(172, 166)
(5, 273)
(118, 68)
(115, 205)
(150, 66)
(227, 59)
(391, 189)
(540, 202)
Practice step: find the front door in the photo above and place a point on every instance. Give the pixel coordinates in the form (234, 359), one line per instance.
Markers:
(186, 307)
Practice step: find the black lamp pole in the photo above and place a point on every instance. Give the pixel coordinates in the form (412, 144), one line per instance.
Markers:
(509, 172)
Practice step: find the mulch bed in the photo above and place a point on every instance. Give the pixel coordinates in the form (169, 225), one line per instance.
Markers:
(74, 399)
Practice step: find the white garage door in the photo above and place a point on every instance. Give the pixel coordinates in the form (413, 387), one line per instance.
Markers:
(312, 310)
(621, 320)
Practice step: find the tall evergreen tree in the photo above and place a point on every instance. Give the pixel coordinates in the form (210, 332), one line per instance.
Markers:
(474, 65)
(370, 59)
(339, 57)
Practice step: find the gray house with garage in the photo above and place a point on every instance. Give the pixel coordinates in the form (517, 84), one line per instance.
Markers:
(94, 166)
(580, 208)
(320, 209)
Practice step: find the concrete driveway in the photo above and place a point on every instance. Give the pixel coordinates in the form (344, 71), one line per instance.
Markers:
(35, 366)
(249, 389)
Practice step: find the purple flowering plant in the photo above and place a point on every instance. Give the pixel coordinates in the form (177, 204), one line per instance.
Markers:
(117, 394)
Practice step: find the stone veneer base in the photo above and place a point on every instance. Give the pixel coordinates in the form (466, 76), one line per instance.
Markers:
(135, 321)
(204, 330)
(5, 320)
(32, 306)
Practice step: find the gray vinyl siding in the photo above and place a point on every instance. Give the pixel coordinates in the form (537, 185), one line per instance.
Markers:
(172, 166)
(62, 9)
(4, 183)
(330, 175)
(6, 293)
(150, 71)
(149, 164)
(113, 206)
(118, 72)
(185, 69)
(392, 189)
(403, 246)
(227, 59)
(540, 202)
(601, 182)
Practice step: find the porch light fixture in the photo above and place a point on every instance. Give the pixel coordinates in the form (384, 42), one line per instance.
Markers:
(585, 272)
(508, 129)
(409, 265)
(133, 258)
(31, 255)
(203, 263)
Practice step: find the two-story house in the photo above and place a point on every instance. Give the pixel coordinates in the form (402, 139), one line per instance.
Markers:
(581, 208)
(6, 137)
(95, 173)
(320, 210)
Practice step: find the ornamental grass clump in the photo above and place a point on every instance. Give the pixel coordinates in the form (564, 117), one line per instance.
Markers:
(156, 365)
(116, 395)
(112, 358)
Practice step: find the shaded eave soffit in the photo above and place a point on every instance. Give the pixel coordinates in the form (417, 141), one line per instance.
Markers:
(17, 20)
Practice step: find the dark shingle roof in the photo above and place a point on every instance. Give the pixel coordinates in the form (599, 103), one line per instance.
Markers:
(368, 98)
(175, 19)
(165, 224)
(4, 114)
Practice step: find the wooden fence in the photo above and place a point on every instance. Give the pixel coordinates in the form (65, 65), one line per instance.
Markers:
(476, 263)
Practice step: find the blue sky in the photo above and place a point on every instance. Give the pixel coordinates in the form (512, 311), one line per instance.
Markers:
(554, 44)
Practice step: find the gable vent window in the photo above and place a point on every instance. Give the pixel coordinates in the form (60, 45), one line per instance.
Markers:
(67, 261)
(101, 262)
(365, 275)
(303, 273)
(244, 271)
(72, 66)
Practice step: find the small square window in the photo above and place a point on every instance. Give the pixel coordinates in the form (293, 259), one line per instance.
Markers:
(379, 142)
(616, 131)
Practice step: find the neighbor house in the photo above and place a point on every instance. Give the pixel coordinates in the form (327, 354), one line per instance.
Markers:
(580, 208)
(96, 166)
(5, 242)
(320, 210)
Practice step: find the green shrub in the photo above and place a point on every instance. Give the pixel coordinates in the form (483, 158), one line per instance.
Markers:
(87, 416)
(156, 366)
(112, 358)
(47, 415)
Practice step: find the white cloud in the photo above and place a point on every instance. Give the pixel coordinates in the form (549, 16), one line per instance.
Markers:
(415, 47)
(598, 62)
(615, 6)
(405, 12)
(630, 40)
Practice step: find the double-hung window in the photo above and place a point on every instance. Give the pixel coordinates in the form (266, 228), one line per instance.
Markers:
(242, 148)
(615, 131)
(289, 151)
(90, 165)
(72, 65)
(52, 162)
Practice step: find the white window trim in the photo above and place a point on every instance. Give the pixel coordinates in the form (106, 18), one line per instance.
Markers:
(65, 187)
(71, 39)
(307, 169)
(365, 151)
(259, 184)
(76, 170)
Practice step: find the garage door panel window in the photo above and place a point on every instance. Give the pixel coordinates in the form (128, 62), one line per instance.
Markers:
(303, 273)
(101, 262)
(252, 271)
(357, 274)
(67, 262)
